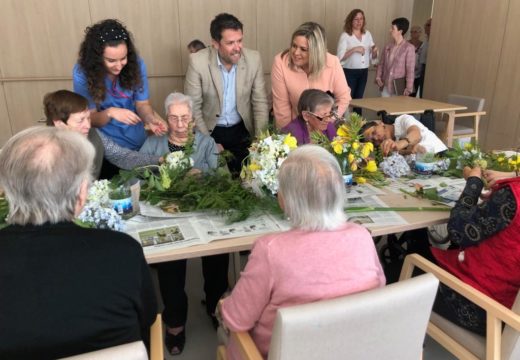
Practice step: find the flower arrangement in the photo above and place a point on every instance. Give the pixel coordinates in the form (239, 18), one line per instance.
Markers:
(98, 211)
(4, 209)
(265, 158)
(468, 154)
(352, 154)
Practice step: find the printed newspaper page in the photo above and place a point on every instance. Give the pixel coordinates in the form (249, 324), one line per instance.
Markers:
(371, 219)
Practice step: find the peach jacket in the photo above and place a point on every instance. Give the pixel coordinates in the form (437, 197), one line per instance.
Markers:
(288, 84)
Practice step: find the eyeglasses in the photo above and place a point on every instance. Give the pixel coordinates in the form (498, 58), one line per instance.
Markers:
(183, 119)
(333, 114)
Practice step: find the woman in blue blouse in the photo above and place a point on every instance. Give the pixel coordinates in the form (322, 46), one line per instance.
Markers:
(112, 76)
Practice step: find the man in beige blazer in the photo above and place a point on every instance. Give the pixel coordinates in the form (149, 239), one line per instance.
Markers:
(227, 85)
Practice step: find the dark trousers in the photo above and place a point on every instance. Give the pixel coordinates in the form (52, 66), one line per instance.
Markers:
(172, 279)
(236, 139)
(356, 80)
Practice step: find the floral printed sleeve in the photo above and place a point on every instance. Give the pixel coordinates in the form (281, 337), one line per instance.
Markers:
(471, 223)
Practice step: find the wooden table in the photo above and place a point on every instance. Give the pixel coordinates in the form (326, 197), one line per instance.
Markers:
(399, 105)
(415, 220)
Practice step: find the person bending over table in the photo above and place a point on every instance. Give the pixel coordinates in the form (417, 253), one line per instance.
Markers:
(306, 65)
(282, 268)
(316, 112)
(484, 251)
(65, 289)
(68, 110)
(407, 135)
(172, 275)
(112, 76)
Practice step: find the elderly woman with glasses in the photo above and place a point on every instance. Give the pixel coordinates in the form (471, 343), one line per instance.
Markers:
(323, 256)
(172, 275)
(316, 112)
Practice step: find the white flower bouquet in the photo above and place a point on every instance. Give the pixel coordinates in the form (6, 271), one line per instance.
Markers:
(98, 211)
(265, 158)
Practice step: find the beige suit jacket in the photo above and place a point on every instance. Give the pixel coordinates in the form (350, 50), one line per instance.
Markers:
(203, 83)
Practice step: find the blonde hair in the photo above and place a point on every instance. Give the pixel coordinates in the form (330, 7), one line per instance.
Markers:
(315, 35)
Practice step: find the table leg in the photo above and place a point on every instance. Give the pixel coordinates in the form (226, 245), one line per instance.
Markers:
(450, 128)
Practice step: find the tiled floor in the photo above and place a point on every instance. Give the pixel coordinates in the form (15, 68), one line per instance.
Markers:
(201, 341)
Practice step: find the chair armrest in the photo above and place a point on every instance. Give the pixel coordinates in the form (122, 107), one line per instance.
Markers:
(491, 306)
(246, 345)
(156, 340)
(474, 113)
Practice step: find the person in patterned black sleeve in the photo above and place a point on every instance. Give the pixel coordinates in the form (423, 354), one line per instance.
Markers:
(485, 247)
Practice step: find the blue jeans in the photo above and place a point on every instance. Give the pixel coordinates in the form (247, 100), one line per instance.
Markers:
(356, 80)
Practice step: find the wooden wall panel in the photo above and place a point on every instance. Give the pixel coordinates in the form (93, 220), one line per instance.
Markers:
(277, 20)
(24, 101)
(464, 57)
(5, 126)
(503, 127)
(160, 88)
(155, 27)
(195, 17)
(40, 38)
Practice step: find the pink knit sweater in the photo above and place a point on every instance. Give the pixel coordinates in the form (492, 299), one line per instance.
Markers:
(297, 267)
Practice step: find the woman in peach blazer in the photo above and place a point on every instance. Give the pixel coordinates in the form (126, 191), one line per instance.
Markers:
(306, 65)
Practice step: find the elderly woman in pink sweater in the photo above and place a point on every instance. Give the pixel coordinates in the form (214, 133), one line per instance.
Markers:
(321, 257)
(306, 65)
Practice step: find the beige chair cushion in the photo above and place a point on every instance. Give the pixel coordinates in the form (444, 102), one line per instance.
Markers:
(386, 323)
(131, 351)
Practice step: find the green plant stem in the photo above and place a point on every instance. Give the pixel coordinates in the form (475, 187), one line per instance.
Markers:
(372, 208)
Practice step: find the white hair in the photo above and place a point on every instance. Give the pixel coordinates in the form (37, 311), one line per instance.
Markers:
(41, 171)
(312, 188)
(177, 98)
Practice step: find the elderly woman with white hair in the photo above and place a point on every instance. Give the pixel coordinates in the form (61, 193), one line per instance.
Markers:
(321, 257)
(65, 290)
(172, 275)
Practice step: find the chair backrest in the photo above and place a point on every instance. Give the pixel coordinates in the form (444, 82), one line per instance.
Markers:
(472, 103)
(131, 351)
(385, 323)
(511, 338)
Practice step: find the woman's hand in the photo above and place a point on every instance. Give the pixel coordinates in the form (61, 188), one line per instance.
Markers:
(380, 83)
(469, 172)
(124, 116)
(388, 146)
(157, 126)
(492, 176)
(406, 92)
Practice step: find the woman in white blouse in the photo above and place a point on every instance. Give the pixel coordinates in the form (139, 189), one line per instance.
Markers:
(355, 50)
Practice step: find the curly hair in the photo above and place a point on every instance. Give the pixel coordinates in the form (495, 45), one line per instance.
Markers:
(350, 19)
(91, 58)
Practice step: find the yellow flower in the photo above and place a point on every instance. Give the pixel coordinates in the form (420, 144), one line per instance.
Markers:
(290, 141)
(366, 151)
(254, 167)
(337, 146)
(500, 159)
(512, 162)
(355, 145)
(371, 166)
(343, 131)
(350, 158)
(468, 146)
(370, 146)
(353, 166)
(361, 180)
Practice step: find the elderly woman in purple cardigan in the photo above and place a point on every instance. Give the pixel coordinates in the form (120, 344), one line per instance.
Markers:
(316, 112)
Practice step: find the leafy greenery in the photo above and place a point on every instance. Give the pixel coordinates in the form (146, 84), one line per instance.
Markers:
(4, 210)
(216, 191)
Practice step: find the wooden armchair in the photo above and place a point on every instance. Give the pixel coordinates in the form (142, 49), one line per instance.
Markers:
(464, 124)
(131, 351)
(498, 344)
(384, 323)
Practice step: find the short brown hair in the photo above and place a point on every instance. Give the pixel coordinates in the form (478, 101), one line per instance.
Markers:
(59, 105)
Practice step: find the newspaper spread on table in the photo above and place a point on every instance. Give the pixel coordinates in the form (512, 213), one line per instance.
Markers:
(371, 219)
(449, 189)
(190, 229)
